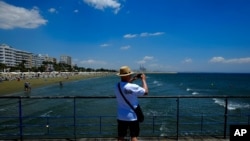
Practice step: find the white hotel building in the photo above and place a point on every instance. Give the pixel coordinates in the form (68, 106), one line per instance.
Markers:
(65, 59)
(11, 57)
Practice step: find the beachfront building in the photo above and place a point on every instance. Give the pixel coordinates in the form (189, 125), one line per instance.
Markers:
(23, 56)
(12, 57)
(7, 55)
(65, 59)
(38, 60)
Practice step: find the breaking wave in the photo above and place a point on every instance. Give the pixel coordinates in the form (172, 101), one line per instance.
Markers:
(231, 105)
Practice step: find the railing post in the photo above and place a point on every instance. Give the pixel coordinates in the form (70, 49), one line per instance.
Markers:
(225, 118)
(75, 117)
(47, 125)
(100, 124)
(20, 119)
(177, 117)
(153, 124)
(248, 119)
(202, 116)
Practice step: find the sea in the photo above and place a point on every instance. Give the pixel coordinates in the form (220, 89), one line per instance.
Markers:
(180, 102)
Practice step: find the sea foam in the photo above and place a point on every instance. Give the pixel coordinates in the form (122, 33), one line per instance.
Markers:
(231, 105)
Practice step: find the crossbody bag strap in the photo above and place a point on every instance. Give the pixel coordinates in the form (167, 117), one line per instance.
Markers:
(125, 97)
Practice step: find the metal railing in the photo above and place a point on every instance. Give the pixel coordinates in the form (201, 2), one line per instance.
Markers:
(181, 120)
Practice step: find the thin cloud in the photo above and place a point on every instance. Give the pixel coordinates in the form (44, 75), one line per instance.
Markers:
(130, 36)
(145, 59)
(125, 47)
(53, 10)
(187, 61)
(92, 61)
(144, 34)
(148, 58)
(231, 61)
(76, 11)
(104, 45)
(18, 17)
(141, 62)
(102, 4)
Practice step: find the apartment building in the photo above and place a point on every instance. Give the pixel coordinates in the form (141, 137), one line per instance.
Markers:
(65, 59)
(12, 57)
(38, 59)
(7, 55)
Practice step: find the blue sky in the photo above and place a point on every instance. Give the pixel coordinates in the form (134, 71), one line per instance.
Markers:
(161, 35)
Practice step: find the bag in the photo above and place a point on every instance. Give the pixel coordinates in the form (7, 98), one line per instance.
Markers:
(139, 113)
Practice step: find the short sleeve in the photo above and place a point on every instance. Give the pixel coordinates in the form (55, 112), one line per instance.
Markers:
(137, 90)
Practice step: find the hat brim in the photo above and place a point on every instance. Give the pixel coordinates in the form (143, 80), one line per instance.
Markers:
(118, 74)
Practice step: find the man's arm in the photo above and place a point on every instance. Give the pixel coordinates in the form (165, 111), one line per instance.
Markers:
(144, 83)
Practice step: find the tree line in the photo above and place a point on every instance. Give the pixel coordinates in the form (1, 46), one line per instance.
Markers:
(51, 66)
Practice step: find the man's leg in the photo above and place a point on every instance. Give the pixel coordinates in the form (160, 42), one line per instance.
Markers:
(134, 128)
(122, 129)
(134, 139)
(120, 139)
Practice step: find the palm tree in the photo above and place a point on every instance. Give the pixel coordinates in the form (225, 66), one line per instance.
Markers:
(2, 66)
(21, 66)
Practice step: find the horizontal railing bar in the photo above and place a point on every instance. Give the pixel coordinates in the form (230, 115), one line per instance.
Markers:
(89, 97)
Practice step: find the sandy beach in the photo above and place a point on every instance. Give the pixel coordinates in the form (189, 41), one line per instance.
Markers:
(17, 84)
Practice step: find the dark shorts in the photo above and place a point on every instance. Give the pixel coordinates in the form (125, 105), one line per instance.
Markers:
(133, 127)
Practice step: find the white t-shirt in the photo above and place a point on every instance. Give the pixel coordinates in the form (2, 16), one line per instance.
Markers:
(131, 92)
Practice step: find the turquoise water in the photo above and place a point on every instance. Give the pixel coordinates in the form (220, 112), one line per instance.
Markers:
(186, 84)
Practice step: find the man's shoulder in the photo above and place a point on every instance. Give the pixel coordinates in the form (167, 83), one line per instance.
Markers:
(133, 85)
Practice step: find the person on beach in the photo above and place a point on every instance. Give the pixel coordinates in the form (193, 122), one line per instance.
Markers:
(60, 84)
(26, 86)
(29, 87)
(126, 117)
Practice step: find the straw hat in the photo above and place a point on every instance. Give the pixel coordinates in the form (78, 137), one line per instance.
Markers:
(125, 71)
